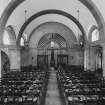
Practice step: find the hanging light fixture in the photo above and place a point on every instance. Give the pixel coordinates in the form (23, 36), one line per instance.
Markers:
(24, 34)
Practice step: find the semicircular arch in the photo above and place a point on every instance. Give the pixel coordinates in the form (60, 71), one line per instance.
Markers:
(55, 37)
(52, 11)
(52, 27)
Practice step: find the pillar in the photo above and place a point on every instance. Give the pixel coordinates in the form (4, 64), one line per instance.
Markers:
(0, 65)
(15, 59)
(103, 61)
(86, 59)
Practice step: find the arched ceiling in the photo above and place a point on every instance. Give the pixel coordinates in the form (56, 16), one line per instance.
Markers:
(98, 3)
(52, 27)
(51, 11)
(53, 18)
(36, 5)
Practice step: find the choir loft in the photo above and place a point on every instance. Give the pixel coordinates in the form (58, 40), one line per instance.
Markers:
(52, 52)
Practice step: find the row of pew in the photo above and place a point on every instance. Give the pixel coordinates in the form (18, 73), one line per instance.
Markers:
(81, 88)
(23, 88)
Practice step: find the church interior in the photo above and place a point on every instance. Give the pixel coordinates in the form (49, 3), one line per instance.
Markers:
(52, 52)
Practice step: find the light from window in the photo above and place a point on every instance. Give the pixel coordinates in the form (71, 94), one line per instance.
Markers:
(22, 42)
(95, 35)
(52, 44)
(6, 38)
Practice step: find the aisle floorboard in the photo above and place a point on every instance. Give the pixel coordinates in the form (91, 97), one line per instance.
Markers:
(52, 95)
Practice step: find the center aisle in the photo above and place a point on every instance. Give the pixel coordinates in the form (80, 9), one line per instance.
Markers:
(52, 95)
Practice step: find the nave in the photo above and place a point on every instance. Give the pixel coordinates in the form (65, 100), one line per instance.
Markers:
(52, 52)
(52, 87)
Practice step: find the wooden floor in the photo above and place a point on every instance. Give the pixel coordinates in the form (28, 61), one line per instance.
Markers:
(52, 95)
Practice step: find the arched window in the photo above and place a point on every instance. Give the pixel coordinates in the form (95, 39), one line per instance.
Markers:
(95, 35)
(52, 44)
(6, 38)
(22, 41)
(9, 37)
